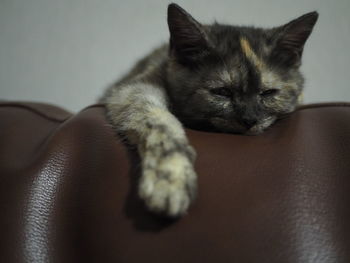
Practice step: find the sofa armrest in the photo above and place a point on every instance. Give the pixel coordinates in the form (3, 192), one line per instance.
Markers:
(68, 192)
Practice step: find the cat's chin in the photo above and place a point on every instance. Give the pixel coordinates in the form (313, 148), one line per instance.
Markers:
(261, 126)
(222, 125)
(253, 133)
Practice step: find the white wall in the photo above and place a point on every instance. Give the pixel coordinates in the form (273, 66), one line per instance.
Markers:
(66, 52)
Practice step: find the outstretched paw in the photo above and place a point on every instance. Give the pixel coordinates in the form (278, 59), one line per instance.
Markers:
(168, 183)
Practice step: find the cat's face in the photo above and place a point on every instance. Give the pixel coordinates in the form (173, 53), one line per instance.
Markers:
(234, 79)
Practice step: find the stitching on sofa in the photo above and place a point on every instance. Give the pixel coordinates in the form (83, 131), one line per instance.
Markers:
(323, 105)
(302, 107)
(60, 120)
(33, 110)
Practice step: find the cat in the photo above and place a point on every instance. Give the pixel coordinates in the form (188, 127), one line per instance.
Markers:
(223, 78)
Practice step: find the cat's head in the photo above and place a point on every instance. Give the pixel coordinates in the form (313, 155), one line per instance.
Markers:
(232, 78)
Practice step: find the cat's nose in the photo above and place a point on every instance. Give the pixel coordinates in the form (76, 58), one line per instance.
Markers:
(249, 122)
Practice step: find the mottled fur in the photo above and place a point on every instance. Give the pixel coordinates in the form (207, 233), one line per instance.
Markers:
(214, 77)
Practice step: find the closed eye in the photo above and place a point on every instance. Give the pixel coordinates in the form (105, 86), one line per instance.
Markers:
(269, 92)
(222, 91)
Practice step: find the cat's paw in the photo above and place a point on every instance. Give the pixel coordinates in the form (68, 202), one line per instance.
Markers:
(168, 184)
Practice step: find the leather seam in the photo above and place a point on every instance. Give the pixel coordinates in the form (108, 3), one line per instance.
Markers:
(60, 120)
(323, 105)
(302, 107)
(38, 112)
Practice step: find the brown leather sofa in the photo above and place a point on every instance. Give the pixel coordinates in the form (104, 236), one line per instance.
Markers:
(67, 192)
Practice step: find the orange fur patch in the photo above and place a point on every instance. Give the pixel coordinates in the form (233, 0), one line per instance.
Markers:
(250, 54)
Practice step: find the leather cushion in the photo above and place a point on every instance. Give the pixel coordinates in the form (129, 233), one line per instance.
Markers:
(68, 192)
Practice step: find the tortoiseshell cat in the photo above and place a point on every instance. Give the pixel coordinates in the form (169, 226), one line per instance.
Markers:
(215, 77)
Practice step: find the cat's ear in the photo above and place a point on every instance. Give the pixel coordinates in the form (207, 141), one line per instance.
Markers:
(291, 39)
(188, 41)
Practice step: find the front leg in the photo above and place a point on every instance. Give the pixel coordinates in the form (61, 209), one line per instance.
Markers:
(168, 181)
